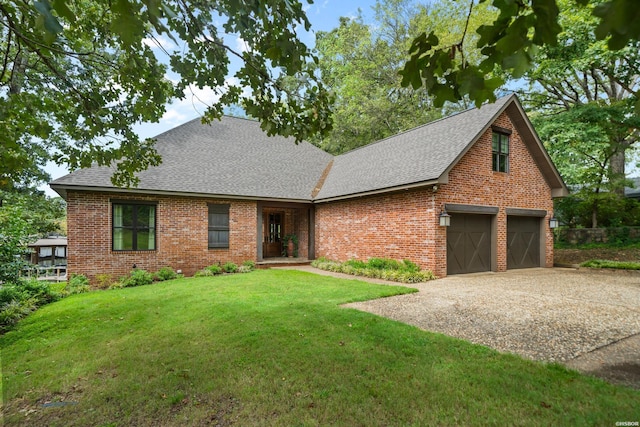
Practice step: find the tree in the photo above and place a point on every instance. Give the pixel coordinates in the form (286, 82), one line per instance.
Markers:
(509, 43)
(360, 62)
(76, 76)
(583, 93)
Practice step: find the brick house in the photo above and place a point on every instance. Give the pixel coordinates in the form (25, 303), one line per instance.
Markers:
(227, 192)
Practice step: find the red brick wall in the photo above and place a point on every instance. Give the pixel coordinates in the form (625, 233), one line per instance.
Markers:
(405, 225)
(181, 235)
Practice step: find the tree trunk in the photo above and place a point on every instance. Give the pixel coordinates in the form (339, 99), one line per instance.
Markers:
(617, 172)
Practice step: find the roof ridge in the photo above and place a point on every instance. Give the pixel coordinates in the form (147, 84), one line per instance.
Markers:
(199, 118)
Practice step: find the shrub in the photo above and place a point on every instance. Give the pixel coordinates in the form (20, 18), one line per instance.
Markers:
(378, 268)
(244, 269)
(104, 281)
(250, 264)
(355, 263)
(137, 278)
(384, 264)
(205, 272)
(410, 266)
(620, 265)
(214, 269)
(230, 267)
(13, 311)
(41, 291)
(77, 284)
(19, 299)
(165, 273)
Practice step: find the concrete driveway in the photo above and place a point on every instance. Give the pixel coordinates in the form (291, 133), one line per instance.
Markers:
(588, 320)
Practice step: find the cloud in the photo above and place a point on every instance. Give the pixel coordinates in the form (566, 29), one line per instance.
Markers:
(159, 42)
(196, 101)
(242, 45)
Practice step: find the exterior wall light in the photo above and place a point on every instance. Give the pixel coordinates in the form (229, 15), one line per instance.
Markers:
(445, 219)
(553, 222)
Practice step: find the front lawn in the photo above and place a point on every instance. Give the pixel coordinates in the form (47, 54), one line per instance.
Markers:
(273, 348)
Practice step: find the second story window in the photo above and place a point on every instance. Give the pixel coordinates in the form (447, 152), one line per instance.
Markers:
(500, 148)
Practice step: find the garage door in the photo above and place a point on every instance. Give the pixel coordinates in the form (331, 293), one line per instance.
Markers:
(469, 243)
(523, 242)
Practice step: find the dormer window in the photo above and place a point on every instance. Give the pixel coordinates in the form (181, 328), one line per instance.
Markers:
(500, 148)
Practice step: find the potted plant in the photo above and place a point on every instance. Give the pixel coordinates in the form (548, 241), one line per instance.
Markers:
(290, 245)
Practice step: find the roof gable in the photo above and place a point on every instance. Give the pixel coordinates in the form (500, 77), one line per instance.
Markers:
(424, 155)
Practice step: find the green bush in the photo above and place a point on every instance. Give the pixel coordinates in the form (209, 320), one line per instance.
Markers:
(137, 277)
(250, 264)
(104, 281)
(410, 266)
(214, 269)
(230, 267)
(384, 264)
(166, 273)
(378, 268)
(19, 299)
(621, 265)
(13, 311)
(77, 284)
(355, 263)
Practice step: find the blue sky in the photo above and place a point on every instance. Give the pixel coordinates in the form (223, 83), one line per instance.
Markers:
(324, 15)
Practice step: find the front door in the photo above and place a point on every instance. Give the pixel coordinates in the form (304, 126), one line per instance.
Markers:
(272, 246)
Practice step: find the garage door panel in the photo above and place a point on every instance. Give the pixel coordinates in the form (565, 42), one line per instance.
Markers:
(523, 242)
(469, 244)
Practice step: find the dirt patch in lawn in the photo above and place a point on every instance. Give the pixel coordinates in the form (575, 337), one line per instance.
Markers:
(578, 256)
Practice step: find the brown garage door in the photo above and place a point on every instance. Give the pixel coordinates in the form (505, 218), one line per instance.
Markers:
(469, 244)
(523, 242)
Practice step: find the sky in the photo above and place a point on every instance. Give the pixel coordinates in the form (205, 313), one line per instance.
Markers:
(324, 15)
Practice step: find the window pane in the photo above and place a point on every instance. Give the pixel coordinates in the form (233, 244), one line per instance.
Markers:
(122, 239)
(146, 216)
(503, 163)
(495, 143)
(505, 144)
(218, 220)
(218, 238)
(145, 240)
(45, 252)
(123, 215)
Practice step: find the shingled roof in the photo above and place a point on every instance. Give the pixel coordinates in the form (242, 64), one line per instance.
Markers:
(234, 158)
(230, 157)
(424, 155)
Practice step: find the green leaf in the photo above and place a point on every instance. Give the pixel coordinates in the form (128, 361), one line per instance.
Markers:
(546, 22)
(51, 23)
(61, 8)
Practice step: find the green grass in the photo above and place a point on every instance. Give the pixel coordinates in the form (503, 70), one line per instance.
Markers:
(620, 265)
(273, 348)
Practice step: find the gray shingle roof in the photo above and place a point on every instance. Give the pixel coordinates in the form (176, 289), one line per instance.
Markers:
(229, 157)
(233, 157)
(419, 155)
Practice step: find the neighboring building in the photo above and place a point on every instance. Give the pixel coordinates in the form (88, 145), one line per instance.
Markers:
(49, 252)
(227, 192)
(50, 256)
(633, 192)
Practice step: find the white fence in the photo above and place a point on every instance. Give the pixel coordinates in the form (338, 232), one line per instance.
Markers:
(50, 274)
